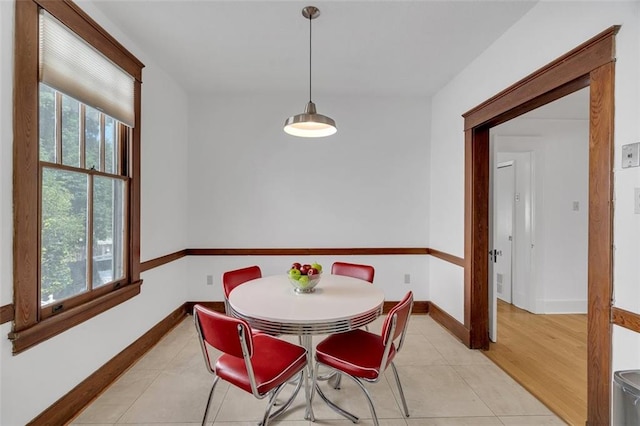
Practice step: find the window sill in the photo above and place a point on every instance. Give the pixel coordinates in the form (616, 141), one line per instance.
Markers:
(50, 327)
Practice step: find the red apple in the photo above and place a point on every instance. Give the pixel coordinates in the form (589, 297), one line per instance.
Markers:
(312, 271)
(305, 269)
(296, 266)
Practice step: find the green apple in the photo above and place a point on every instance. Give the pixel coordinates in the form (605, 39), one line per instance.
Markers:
(295, 274)
(303, 281)
(317, 266)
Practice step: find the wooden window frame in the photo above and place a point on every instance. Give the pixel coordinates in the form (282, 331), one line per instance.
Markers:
(29, 328)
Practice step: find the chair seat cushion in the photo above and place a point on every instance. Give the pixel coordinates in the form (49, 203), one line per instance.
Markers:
(274, 362)
(357, 353)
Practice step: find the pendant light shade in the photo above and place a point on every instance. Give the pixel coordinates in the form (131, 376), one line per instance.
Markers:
(310, 124)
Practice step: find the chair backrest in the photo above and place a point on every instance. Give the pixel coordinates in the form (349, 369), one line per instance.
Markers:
(364, 272)
(395, 324)
(222, 332)
(232, 279)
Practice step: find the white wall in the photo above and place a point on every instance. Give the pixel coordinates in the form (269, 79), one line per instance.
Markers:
(36, 378)
(6, 151)
(561, 172)
(558, 28)
(252, 185)
(6, 155)
(389, 272)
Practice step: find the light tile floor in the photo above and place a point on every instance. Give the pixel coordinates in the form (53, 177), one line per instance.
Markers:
(444, 383)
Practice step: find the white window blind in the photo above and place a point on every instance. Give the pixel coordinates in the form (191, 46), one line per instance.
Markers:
(73, 67)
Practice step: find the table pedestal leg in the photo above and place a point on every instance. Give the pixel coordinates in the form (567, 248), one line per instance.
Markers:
(305, 340)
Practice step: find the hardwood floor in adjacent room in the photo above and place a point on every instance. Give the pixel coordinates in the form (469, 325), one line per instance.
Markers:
(547, 355)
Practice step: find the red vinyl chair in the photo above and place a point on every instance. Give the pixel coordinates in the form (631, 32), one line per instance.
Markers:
(364, 272)
(355, 270)
(364, 356)
(256, 363)
(232, 279)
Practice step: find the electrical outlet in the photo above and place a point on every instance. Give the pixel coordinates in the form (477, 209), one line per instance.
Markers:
(209, 279)
(407, 278)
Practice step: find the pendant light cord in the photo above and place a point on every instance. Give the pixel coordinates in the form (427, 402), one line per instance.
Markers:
(310, 58)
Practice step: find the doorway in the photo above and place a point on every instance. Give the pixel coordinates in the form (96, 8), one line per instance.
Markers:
(592, 65)
(512, 211)
(540, 336)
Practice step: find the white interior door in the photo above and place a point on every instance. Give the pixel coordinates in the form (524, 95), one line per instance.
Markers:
(503, 213)
(522, 283)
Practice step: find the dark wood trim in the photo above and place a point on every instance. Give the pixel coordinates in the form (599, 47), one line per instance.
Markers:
(419, 306)
(600, 254)
(591, 63)
(82, 24)
(162, 260)
(573, 65)
(44, 330)
(476, 274)
(6, 313)
(25, 166)
(67, 407)
(545, 98)
(627, 319)
(305, 251)
(134, 172)
(214, 306)
(446, 257)
(450, 323)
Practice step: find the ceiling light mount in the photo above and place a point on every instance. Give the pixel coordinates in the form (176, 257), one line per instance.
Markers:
(310, 124)
(310, 12)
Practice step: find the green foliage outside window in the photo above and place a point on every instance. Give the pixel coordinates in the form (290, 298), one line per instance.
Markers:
(65, 197)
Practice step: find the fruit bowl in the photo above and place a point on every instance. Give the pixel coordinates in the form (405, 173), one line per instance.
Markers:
(305, 284)
(305, 277)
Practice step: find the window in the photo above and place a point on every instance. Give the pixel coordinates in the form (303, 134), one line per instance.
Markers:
(82, 203)
(76, 171)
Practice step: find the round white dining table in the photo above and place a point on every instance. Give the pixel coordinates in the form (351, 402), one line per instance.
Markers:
(337, 304)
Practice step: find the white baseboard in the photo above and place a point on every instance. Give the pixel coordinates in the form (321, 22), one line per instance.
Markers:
(563, 306)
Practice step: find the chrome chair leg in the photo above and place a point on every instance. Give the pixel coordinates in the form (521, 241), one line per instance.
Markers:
(404, 402)
(288, 402)
(314, 382)
(335, 380)
(330, 403)
(272, 400)
(206, 410)
(374, 416)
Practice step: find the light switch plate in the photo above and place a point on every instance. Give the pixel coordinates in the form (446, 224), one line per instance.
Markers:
(631, 155)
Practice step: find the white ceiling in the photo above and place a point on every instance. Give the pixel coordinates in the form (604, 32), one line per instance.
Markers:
(366, 47)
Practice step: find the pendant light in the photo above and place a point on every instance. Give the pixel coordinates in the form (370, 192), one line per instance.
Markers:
(310, 124)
